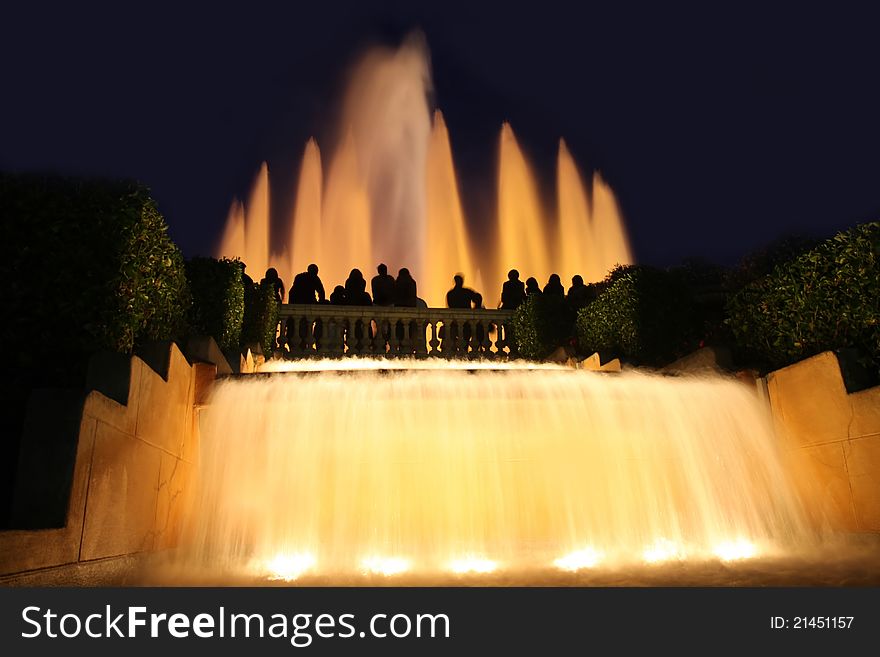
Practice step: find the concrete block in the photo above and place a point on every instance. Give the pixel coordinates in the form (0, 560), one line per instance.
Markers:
(594, 363)
(863, 465)
(705, 359)
(204, 375)
(31, 549)
(162, 406)
(203, 349)
(809, 401)
(121, 508)
(866, 413)
(173, 499)
(820, 475)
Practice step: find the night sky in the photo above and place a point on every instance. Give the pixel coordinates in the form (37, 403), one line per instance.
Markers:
(718, 131)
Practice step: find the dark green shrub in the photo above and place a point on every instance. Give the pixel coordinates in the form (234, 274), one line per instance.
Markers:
(541, 324)
(260, 317)
(759, 263)
(825, 299)
(217, 300)
(88, 266)
(645, 315)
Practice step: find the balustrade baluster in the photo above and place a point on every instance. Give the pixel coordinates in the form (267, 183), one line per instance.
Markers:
(421, 338)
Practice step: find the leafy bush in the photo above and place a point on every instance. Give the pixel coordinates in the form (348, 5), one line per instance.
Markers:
(541, 324)
(645, 315)
(826, 299)
(217, 300)
(89, 266)
(260, 317)
(759, 263)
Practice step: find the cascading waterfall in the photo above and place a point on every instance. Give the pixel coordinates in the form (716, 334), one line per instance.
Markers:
(446, 471)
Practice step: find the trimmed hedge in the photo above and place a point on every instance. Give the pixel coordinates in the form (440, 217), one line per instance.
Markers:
(217, 300)
(825, 299)
(89, 266)
(260, 317)
(541, 324)
(759, 263)
(645, 315)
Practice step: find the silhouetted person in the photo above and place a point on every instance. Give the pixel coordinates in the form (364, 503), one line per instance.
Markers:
(578, 294)
(405, 290)
(383, 287)
(405, 296)
(247, 280)
(532, 287)
(356, 289)
(307, 287)
(554, 286)
(463, 297)
(272, 279)
(338, 297)
(513, 292)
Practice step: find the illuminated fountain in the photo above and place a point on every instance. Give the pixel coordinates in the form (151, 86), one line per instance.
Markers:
(414, 471)
(444, 473)
(390, 194)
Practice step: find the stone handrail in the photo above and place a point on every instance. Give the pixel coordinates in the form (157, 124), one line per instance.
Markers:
(327, 330)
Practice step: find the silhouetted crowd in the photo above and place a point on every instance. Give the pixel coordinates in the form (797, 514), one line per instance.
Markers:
(402, 291)
(307, 288)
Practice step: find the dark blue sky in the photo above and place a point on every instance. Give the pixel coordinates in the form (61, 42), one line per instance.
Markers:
(719, 131)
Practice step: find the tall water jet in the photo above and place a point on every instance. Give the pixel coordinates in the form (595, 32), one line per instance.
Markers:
(256, 226)
(523, 233)
(345, 223)
(232, 242)
(608, 228)
(445, 229)
(444, 470)
(578, 252)
(306, 238)
(391, 195)
(386, 108)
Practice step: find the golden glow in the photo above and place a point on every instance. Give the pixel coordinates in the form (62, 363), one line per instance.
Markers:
(522, 229)
(608, 228)
(232, 242)
(387, 566)
(306, 234)
(346, 220)
(519, 467)
(735, 550)
(588, 557)
(448, 249)
(256, 225)
(663, 550)
(289, 567)
(472, 564)
(355, 364)
(390, 193)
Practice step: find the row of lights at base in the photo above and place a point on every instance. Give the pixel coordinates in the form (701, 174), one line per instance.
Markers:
(289, 567)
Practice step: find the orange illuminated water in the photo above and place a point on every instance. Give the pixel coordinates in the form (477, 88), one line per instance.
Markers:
(443, 472)
(306, 235)
(391, 194)
(524, 234)
(445, 229)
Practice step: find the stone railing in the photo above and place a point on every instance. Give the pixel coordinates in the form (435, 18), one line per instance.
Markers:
(330, 331)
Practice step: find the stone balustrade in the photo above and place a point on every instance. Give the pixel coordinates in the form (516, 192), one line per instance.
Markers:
(326, 330)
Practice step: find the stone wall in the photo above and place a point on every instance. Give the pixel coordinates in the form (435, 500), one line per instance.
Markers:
(133, 473)
(834, 439)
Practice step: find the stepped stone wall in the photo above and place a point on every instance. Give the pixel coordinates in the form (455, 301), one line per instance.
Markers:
(834, 439)
(133, 471)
